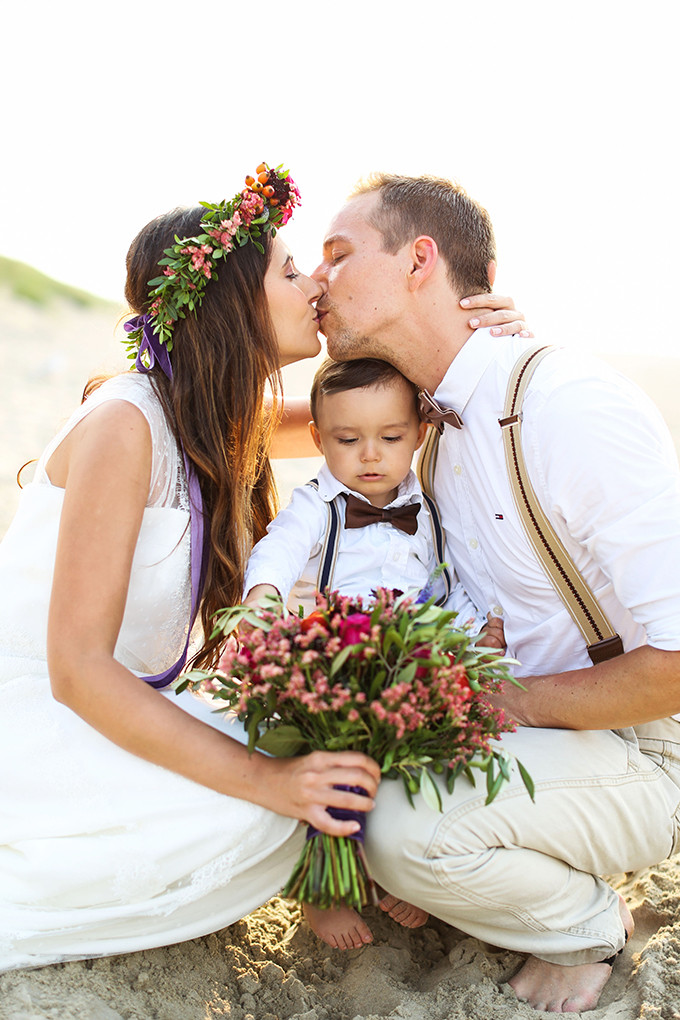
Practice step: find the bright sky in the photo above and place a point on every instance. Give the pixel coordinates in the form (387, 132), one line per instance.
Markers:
(561, 118)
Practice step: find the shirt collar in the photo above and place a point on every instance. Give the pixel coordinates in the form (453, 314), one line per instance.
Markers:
(466, 370)
(329, 487)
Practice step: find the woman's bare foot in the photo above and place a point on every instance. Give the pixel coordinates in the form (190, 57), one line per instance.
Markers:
(557, 989)
(402, 912)
(342, 928)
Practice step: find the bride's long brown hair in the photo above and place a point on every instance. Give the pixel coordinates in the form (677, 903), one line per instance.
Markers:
(221, 359)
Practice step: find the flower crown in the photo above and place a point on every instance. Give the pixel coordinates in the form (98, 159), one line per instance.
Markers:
(265, 204)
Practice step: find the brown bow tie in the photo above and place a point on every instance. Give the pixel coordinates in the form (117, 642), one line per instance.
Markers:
(434, 413)
(360, 513)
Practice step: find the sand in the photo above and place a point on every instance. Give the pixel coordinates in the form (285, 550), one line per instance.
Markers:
(269, 966)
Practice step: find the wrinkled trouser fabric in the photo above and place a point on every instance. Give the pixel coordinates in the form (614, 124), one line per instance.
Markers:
(526, 876)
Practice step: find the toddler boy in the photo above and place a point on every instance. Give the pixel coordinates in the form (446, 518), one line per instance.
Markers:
(364, 523)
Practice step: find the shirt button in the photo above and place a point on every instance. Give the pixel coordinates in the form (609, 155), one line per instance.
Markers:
(473, 543)
(457, 469)
(497, 610)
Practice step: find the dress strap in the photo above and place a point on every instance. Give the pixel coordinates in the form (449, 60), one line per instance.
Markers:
(152, 352)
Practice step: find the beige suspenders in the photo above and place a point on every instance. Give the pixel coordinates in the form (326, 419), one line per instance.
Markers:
(602, 640)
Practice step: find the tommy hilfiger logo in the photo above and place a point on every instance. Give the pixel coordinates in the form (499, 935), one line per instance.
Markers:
(499, 517)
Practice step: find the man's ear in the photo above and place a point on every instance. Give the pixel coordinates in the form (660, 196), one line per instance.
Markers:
(424, 257)
(316, 437)
(422, 432)
(491, 273)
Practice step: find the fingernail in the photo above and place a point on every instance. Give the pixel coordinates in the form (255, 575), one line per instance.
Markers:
(474, 322)
(465, 302)
(524, 332)
(495, 331)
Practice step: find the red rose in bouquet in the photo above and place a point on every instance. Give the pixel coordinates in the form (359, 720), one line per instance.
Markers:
(390, 677)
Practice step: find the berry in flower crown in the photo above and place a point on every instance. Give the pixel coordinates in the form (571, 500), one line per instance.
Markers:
(265, 204)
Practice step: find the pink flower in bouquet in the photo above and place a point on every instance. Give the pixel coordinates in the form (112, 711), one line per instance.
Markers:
(355, 628)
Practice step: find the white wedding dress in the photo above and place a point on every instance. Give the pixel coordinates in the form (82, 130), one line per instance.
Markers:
(100, 851)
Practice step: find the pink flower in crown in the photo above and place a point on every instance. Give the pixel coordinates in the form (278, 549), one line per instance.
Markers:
(169, 272)
(354, 629)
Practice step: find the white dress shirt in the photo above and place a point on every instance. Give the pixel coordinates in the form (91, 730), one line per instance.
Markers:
(604, 468)
(375, 556)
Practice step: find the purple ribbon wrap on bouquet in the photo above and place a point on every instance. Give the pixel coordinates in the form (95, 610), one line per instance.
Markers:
(345, 815)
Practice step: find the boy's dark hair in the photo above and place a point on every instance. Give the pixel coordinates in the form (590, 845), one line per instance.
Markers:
(339, 376)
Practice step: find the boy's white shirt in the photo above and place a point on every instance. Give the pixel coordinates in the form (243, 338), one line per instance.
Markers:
(375, 556)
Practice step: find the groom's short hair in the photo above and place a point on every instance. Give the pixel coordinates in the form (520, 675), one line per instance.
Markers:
(442, 210)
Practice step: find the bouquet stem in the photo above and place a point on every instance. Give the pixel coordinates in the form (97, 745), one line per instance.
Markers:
(332, 872)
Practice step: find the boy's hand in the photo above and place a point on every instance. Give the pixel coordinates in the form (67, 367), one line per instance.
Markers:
(257, 599)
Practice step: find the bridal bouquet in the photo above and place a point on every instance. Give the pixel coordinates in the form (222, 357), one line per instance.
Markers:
(390, 677)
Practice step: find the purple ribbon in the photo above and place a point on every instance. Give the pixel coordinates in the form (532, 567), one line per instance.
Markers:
(157, 354)
(345, 815)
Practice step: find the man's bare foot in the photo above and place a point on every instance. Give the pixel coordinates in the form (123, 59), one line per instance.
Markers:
(557, 989)
(402, 912)
(342, 928)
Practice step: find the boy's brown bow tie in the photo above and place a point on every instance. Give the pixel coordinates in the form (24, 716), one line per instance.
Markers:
(359, 514)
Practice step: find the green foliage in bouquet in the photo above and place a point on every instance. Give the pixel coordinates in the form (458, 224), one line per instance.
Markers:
(390, 677)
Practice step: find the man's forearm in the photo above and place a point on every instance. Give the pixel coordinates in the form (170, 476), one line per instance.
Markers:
(634, 688)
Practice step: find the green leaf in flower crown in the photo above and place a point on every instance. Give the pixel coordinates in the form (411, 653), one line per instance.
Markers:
(430, 791)
(282, 742)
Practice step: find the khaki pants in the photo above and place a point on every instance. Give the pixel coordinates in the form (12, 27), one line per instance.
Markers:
(525, 876)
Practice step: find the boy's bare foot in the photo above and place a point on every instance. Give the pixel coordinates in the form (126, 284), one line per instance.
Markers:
(557, 989)
(342, 928)
(402, 912)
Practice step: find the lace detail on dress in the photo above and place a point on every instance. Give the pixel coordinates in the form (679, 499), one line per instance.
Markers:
(167, 486)
(134, 878)
(159, 594)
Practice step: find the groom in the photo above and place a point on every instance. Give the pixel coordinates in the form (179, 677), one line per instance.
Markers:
(519, 875)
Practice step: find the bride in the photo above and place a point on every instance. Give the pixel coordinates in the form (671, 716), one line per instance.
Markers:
(131, 817)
